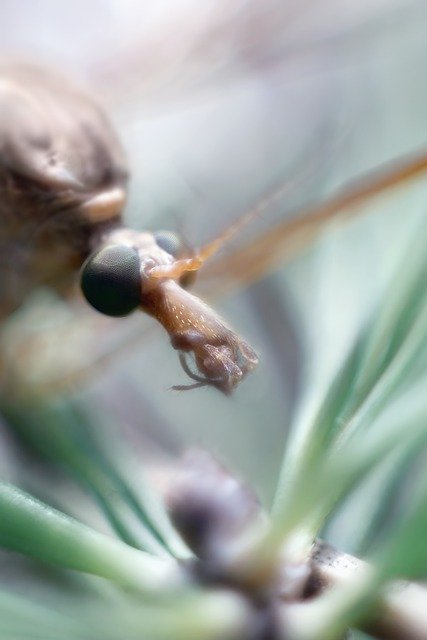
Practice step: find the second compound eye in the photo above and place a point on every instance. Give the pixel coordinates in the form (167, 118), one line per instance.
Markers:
(111, 280)
(170, 242)
(173, 244)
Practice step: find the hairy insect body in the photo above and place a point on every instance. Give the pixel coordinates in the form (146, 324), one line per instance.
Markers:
(34, 251)
(58, 157)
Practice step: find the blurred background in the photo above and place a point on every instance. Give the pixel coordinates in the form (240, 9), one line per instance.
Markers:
(216, 102)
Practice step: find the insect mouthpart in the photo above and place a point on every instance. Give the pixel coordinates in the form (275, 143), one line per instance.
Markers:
(221, 357)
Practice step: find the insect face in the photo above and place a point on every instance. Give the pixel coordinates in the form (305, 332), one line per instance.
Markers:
(117, 279)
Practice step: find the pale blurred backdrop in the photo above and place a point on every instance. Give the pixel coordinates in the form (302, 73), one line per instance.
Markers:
(216, 102)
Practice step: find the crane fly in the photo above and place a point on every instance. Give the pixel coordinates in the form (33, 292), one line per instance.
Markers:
(63, 189)
(63, 179)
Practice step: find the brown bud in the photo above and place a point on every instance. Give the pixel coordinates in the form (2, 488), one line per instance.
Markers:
(210, 507)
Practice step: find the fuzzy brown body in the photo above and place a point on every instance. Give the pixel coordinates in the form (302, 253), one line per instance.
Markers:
(58, 157)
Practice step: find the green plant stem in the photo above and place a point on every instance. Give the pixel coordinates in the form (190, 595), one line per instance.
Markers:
(34, 529)
(62, 432)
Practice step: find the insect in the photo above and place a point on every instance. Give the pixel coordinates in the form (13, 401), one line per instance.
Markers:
(63, 182)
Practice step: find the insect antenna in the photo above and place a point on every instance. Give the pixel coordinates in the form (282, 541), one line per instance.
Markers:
(197, 260)
(263, 254)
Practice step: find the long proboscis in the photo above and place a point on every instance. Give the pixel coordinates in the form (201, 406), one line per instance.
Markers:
(255, 259)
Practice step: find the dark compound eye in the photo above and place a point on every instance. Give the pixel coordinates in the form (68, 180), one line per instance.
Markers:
(111, 280)
(170, 242)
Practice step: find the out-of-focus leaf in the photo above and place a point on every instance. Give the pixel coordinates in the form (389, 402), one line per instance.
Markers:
(365, 347)
(32, 528)
(65, 433)
(194, 617)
